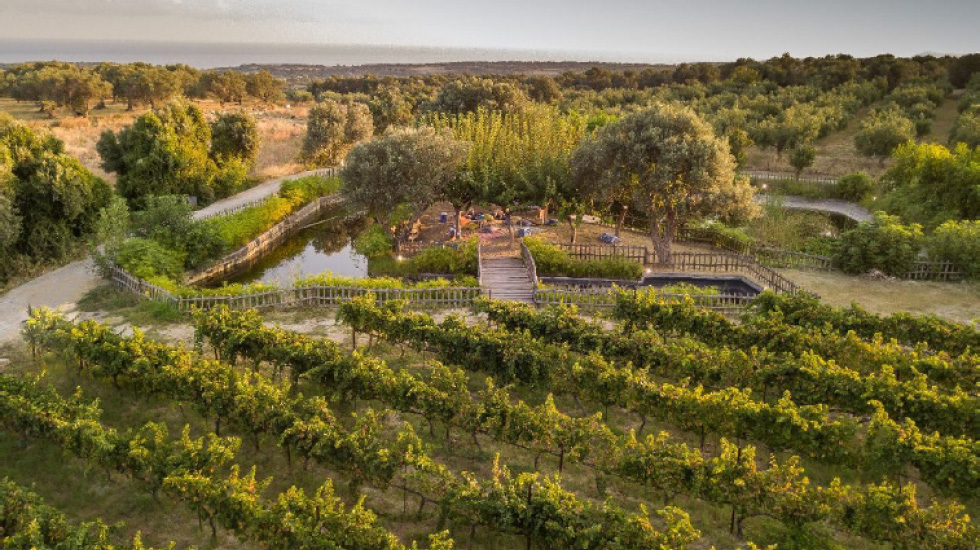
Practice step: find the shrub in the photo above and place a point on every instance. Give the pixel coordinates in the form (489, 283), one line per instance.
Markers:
(552, 261)
(959, 243)
(306, 189)
(883, 243)
(146, 259)
(854, 187)
(883, 131)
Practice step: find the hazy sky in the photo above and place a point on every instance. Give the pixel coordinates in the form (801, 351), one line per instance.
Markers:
(695, 29)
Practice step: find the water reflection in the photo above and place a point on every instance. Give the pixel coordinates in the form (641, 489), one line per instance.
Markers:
(324, 246)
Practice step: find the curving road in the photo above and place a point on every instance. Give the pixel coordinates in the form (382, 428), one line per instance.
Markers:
(852, 210)
(65, 286)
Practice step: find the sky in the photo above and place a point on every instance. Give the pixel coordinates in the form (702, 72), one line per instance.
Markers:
(631, 29)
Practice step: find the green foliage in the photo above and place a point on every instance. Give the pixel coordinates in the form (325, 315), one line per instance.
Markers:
(147, 259)
(332, 129)
(780, 227)
(471, 93)
(957, 242)
(49, 203)
(111, 230)
(235, 136)
(930, 184)
(650, 156)
(966, 129)
(168, 152)
(963, 68)
(884, 244)
(883, 131)
(854, 187)
(802, 157)
(553, 261)
(404, 171)
(373, 243)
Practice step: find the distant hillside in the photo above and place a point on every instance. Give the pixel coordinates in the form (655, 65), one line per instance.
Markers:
(298, 72)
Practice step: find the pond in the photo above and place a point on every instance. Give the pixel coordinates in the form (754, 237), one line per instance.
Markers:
(326, 245)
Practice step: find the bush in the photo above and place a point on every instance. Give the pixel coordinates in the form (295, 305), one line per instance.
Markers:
(461, 260)
(854, 187)
(883, 131)
(552, 261)
(146, 259)
(959, 243)
(306, 189)
(883, 244)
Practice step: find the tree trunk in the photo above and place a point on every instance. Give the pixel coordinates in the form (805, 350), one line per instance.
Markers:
(621, 219)
(457, 213)
(662, 235)
(573, 229)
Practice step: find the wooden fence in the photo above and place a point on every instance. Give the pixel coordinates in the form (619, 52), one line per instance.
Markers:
(769, 176)
(933, 271)
(298, 296)
(596, 299)
(638, 254)
(263, 244)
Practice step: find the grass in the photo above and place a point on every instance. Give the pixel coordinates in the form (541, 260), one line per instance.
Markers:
(281, 132)
(956, 301)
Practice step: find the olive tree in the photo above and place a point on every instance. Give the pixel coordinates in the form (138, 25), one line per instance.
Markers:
(332, 129)
(802, 157)
(882, 132)
(672, 166)
(235, 135)
(394, 178)
(468, 94)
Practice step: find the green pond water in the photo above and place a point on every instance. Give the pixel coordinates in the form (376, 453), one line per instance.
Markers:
(323, 246)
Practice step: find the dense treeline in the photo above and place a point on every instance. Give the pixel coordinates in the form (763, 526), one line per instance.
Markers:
(78, 88)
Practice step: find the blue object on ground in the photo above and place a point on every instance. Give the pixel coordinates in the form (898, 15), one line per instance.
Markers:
(609, 238)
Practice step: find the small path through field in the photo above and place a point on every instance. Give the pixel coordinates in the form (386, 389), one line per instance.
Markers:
(852, 210)
(65, 286)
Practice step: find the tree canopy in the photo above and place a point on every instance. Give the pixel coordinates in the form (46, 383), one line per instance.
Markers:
(332, 129)
(395, 177)
(169, 152)
(674, 167)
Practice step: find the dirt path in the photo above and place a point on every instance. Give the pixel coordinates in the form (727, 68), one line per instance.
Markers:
(852, 210)
(65, 286)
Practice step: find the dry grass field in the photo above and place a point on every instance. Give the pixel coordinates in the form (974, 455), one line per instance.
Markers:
(281, 129)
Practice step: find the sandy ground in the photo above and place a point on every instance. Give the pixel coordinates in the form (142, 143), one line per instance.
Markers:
(62, 288)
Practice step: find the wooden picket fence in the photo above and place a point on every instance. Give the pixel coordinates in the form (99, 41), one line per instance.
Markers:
(638, 254)
(298, 296)
(769, 176)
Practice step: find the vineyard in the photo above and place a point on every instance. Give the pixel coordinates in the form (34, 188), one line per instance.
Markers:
(664, 426)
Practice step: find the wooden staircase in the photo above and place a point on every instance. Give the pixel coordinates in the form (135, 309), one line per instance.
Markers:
(504, 276)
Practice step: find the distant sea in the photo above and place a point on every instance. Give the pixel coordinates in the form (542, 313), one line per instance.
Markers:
(209, 55)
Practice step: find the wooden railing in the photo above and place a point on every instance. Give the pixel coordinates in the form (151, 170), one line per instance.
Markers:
(298, 296)
(529, 263)
(769, 176)
(639, 254)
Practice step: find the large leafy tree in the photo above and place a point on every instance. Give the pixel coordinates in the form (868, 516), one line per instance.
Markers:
(48, 200)
(394, 178)
(332, 129)
(264, 86)
(675, 167)
(519, 157)
(168, 152)
(235, 135)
